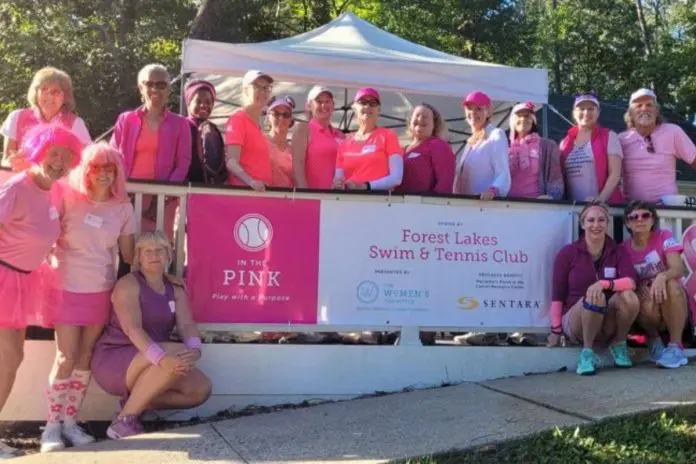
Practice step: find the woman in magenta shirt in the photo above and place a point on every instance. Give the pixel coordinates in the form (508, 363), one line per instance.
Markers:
(592, 294)
(429, 160)
(29, 226)
(656, 257)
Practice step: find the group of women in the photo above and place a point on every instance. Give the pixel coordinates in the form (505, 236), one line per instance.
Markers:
(64, 219)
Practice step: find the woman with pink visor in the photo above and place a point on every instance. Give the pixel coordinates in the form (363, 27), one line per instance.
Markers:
(593, 298)
(535, 161)
(315, 144)
(51, 100)
(591, 156)
(279, 117)
(29, 226)
(482, 167)
(246, 148)
(429, 159)
(371, 158)
(656, 256)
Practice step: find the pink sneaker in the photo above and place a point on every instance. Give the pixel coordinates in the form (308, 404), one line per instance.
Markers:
(125, 426)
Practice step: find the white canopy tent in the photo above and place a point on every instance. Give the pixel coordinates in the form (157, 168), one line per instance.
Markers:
(349, 53)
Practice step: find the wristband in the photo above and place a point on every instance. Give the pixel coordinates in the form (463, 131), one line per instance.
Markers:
(154, 354)
(556, 329)
(607, 284)
(193, 343)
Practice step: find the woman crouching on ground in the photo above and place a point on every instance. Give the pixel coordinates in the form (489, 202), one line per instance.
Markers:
(656, 256)
(133, 358)
(593, 299)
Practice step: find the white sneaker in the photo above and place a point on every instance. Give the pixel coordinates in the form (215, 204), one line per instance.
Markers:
(76, 435)
(51, 438)
(7, 452)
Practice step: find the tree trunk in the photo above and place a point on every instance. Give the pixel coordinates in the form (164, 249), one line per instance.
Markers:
(556, 59)
(643, 28)
(207, 24)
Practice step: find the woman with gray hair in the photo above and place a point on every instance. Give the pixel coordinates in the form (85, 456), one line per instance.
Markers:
(133, 358)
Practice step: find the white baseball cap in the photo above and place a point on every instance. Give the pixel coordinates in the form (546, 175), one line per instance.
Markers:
(254, 74)
(642, 93)
(316, 91)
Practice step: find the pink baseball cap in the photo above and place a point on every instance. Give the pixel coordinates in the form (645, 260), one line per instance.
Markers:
(526, 106)
(477, 98)
(366, 92)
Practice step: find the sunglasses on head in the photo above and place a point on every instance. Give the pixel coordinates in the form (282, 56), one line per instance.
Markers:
(159, 85)
(370, 103)
(640, 216)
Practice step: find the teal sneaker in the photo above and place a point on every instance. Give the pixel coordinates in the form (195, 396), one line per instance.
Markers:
(588, 362)
(619, 351)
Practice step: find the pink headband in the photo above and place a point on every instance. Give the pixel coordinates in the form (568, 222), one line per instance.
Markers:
(195, 86)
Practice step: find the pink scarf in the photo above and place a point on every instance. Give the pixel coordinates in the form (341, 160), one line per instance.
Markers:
(522, 150)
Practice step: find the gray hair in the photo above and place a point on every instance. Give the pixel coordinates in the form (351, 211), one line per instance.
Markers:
(628, 119)
(150, 69)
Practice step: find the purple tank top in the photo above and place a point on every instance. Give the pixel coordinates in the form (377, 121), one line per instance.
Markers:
(158, 318)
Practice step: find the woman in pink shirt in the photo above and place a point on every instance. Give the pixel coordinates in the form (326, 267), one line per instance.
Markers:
(656, 256)
(279, 116)
(156, 143)
(593, 298)
(315, 144)
(429, 159)
(51, 100)
(29, 226)
(535, 162)
(96, 221)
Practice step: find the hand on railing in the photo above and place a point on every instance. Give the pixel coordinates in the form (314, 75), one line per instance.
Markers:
(257, 185)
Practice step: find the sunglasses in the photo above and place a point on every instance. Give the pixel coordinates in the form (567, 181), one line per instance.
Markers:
(642, 216)
(650, 147)
(108, 168)
(159, 85)
(281, 115)
(263, 88)
(370, 103)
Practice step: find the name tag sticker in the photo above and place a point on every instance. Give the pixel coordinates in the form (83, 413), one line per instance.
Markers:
(652, 257)
(53, 213)
(172, 306)
(413, 155)
(610, 273)
(369, 149)
(94, 221)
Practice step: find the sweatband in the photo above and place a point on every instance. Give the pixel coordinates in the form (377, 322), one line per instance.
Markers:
(618, 285)
(594, 308)
(193, 343)
(556, 314)
(154, 354)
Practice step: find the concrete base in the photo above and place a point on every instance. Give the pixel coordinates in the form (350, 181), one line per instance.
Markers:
(245, 375)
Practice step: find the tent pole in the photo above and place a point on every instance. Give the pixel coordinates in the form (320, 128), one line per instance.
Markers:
(545, 126)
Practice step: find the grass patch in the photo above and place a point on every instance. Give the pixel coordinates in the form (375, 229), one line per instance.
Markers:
(663, 437)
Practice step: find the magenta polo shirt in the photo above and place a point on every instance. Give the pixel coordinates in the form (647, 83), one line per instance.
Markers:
(649, 176)
(428, 168)
(574, 270)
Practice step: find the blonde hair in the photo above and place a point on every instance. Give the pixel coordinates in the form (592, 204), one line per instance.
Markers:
(50, 74)
(150, 69)
(439, 124)
(158, 239)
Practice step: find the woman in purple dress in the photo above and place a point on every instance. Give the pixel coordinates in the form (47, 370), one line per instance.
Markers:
(133, 358)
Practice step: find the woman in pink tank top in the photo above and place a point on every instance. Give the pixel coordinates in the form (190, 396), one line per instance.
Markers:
(51, 100)
(315, 144)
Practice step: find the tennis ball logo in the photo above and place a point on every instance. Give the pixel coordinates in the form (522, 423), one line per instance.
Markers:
(253, 232)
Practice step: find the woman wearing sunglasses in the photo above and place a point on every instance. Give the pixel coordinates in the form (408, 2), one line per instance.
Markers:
(155, 142)
(656, 256)
(371, 158)
(279, 118)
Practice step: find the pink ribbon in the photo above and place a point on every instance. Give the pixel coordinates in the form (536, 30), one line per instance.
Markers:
(689, 240)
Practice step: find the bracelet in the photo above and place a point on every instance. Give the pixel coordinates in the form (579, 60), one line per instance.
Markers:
(193, 343)
(154, 354)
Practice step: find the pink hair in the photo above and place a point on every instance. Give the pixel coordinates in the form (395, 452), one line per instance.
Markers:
(100, 153)
(40, 139)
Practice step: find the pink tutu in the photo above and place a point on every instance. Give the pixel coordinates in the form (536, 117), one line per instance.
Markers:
(23, 296)
(81, 309)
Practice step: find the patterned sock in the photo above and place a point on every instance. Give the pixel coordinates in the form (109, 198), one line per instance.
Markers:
(57, 396)
(76, 395)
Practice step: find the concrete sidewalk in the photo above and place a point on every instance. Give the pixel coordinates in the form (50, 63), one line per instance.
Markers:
(402, 425)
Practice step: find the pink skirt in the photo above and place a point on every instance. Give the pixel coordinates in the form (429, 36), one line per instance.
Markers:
(82, 309)
(23, 296)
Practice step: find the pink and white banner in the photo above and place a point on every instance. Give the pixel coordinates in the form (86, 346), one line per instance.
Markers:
(253, 260)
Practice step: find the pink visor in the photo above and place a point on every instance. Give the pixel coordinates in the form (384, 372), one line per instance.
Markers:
(366, 92)
(477, 98)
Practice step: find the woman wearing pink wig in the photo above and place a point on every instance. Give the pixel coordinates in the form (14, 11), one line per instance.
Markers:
(29, 226)
(535, 161)
(482, 167)
(96, 221)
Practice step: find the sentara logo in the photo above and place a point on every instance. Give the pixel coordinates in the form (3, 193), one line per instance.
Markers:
(468, 303)
(253, 232)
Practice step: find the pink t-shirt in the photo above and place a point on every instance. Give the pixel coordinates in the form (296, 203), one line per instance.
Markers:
(320, 164)
(524, 169)
(88, 245)
(29, 219)
(652, 259)
(649, 176)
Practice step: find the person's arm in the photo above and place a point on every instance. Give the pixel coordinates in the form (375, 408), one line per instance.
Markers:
(673, 250)
(298, 145)
(393, 179)
(554, 184)
(443, 160)
(684, 148)
(233, 155)
(9, 151)
(339, 174)
(117, 135)
(185, 325)
(615, 158)
(126, 243)
(559, 288)
(625, 272)
(80, 129)
(501, 163)
(182, 154)
(11, 155)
